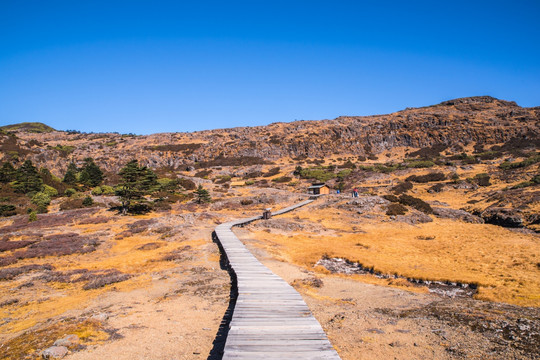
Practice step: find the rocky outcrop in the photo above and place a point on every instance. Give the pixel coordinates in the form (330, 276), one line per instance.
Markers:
(454, 214)
(481, 120)
(505, 217)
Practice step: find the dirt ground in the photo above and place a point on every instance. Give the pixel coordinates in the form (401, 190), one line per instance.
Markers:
(365, 321)
(172, 304)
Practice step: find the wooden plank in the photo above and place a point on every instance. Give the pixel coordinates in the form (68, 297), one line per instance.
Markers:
(270, 320)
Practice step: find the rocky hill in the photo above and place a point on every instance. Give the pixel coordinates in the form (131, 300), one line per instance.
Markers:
(481, 121)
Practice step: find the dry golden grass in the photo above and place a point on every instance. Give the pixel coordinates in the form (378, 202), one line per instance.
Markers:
(502, 262)
(89, 333)
(44, 301)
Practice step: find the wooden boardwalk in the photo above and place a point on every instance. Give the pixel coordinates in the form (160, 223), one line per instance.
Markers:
(270, 320)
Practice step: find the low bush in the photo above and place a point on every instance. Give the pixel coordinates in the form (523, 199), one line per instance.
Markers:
(187, 184)
(88, 201)
(246, 202)
(402, 187)
(203, 174)
(272, 172)
(253, 174)
(222, 179)
(391, 198)
(49, 191)
(70, 192)
(232, 161)
(42, 201)
(282, 179)
(71, 204)
(416, 203)
(520, 164)
(436, 188)
(482, 179)
(421, 164)
(429, 152)
(434, 176)
(7, 210)
(396, 209)
(58, 245)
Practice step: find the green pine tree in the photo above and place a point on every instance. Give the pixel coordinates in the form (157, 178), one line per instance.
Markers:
(70, 176)
(136, 182)
(7, 173)
(28, 179)
(91, 174)
(203, 196)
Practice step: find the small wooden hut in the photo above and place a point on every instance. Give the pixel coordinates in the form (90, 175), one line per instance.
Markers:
(318, 189)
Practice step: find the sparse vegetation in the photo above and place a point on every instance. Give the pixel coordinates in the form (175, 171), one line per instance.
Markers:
(202, 195)
(507, 165)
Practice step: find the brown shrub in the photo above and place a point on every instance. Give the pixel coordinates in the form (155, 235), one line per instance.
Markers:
(188, 149)
(416, 203)
(396, 209)
(272, 172)
(11, 273)
(434, 176)
(246, 202)
(106, 278)
(253, 174)
(58, 245)
(150, 246)
(187, 184)
(232, 161)
(141, 225)
(203, 173)
(12, 245)
(46, 220)
(7, 260)
(177, 254)
(402, 187)
(436, 188)
(282, 179)
(94, 278)
(94, 220)
(391, 198)
(429, 152)
(71, 204)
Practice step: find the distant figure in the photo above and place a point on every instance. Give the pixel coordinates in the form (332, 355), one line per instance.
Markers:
(338, 191)
(355, 192)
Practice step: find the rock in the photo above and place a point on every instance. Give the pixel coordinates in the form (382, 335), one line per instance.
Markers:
(454, 214)
(100, 317)
(67, 341)
(505, 217)
(54, 352)
(414, 217)
(465, 185)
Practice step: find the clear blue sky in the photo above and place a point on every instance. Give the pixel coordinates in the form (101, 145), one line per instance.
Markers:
(156, 66)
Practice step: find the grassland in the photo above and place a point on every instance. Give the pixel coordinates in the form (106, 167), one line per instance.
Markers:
(503, 263)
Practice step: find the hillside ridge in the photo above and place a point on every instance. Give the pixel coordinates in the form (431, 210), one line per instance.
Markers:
(481, 120)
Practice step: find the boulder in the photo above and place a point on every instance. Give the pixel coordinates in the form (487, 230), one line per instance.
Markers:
(54, 352)
(505, 217)
(67, 341)
(454, 214)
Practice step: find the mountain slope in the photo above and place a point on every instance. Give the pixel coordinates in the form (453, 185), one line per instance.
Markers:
(456, 123)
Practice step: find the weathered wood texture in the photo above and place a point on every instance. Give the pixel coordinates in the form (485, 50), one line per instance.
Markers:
(270, 318)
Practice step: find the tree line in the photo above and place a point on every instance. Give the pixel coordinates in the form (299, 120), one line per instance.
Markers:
(136, 184)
